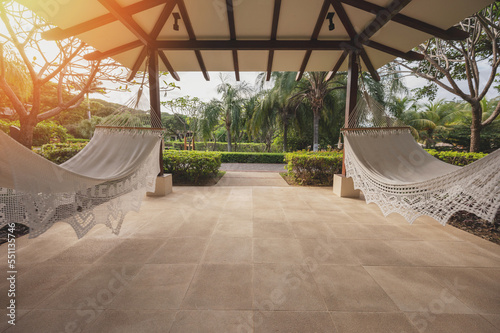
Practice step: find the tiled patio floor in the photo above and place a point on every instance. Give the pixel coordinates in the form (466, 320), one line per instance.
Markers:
(257, 259)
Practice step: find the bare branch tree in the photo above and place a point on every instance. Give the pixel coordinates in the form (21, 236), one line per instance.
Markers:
(60, 62)
(447, 63)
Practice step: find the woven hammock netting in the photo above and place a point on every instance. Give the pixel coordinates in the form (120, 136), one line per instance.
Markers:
(396, 173)
(106, 179)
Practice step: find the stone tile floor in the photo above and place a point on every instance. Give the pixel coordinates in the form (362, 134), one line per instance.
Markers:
(256, 259)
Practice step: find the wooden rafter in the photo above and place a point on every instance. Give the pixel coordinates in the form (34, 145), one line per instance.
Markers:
(98, 55)
(167, 10)
(169, 67)
(192, 37)
(274, 32)
(225, 45)
(346, 22)
(127, 20)
(405, 55)
(450, 34)
(58, 33)
(314, 36)
(232, 36)
(336, 68)
(383, 16)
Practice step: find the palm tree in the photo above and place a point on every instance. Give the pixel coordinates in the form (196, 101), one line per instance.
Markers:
(313, 89)
(231, 105)
(275, 107)
(435, 117)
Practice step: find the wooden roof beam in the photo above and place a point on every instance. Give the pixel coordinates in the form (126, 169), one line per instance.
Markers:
(169, 67)
(127, 20)
(260, 45)
(274, 32)
(314, 36)
(336, 68)
(165, 14)
(346, 22)
(383, 16)
(192, 37)
(450, 34)
(58, 33)
(226, 45)
(232, 34)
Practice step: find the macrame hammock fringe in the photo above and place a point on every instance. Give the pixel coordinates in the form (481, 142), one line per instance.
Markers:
(99, 185)
(394, 172)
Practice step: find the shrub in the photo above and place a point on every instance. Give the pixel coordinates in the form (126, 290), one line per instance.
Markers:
(60, 152)
(191, 165)
(456, 158)
(252, 157)
(314, 168)
(222, 146)
(76, 140)
(45, 132)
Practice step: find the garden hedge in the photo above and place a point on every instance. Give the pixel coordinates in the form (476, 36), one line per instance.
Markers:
(60, 152)
(314, 168)
(456, 158)
(191, 165)
(44, 132)
(253, 157)
(222, 147)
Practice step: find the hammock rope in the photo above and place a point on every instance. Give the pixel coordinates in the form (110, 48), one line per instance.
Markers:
(398, 175)
(99, 185)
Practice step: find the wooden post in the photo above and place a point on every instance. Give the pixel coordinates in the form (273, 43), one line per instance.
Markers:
(154, 95)
(352, 93)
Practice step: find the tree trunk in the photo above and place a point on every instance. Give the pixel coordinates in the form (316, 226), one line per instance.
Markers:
(475, 127)
(316, 131)
(26, 135)
(285, 135)
(228, 130)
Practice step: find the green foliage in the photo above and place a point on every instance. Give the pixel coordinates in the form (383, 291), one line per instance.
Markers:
(191, 165)
(45, 132)
(75, 140)
(61, 152)
(4, 126)
(252, 157)
(222, 146)
(456, 158)
(459, 136)
(314, 168)
(49, 131)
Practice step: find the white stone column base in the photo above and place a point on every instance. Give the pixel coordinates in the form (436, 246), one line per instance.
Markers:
(344, 187)
(163, 186)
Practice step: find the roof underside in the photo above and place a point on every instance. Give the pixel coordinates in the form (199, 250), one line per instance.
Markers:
(255, 35)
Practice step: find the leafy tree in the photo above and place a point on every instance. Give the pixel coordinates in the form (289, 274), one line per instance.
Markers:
(57, 66)
(276, 108)
(435, 117)
(231, 106)
(446, 63)
(314, 89)
(186, 110)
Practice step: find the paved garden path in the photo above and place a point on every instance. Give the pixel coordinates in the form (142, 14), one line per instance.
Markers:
(252, 174)
(233, 178)
(253, 167)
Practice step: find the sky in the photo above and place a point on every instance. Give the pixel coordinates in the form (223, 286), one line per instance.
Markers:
(193, 84)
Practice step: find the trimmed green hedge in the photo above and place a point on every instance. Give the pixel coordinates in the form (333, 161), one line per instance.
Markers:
(456, 158)
(75, 140)
(314, 168)
(191, 165)
(252, 157)
(60, 152)
(44, 132)
(222, 147)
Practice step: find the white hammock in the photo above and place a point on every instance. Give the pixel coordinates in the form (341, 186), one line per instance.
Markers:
(394, 172)
(103, 182)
